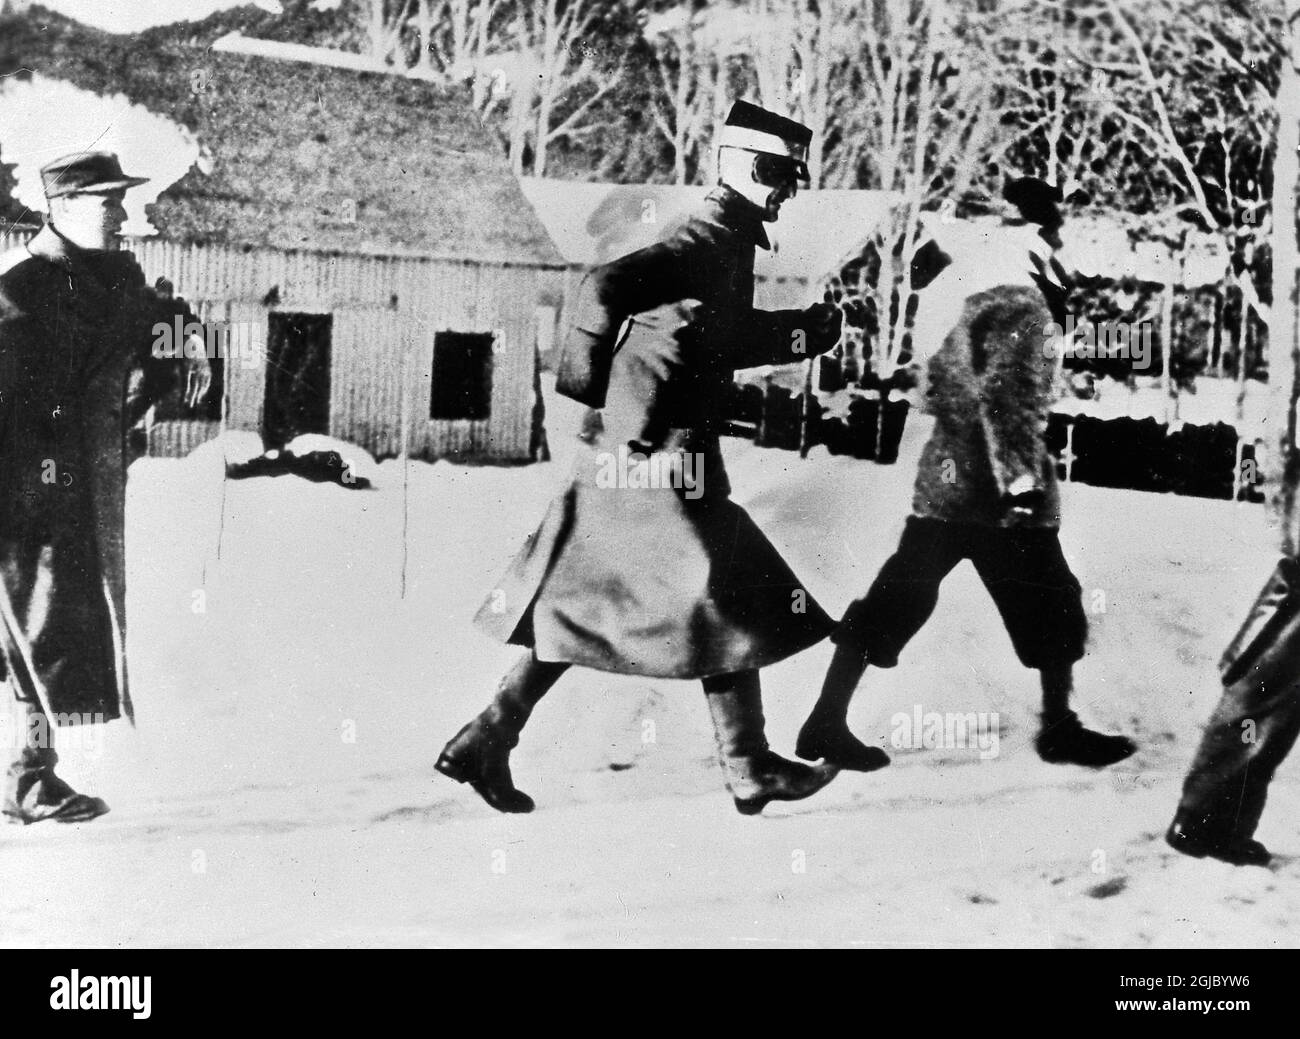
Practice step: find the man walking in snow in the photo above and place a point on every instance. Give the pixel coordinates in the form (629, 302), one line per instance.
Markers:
(665, 577)
(985, 488)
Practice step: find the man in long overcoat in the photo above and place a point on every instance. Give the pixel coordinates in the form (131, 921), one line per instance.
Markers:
(77, 327)
(985, 487)
(644, 565)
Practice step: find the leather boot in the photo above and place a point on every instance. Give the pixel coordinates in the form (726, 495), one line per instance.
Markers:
(480, 753)
(33, 793)
(1192, 834)
(1064, 740)
(825, 735)
(755, 774)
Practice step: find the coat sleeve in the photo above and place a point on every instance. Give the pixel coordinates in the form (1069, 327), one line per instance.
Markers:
(162, 375)
(759, 337)
(1014, 375)
(641, 281)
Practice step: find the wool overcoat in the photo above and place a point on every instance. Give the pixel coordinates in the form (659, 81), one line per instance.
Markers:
(644, 565)
(76, 368)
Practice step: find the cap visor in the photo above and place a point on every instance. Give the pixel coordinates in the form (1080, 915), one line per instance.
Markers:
(98, 189)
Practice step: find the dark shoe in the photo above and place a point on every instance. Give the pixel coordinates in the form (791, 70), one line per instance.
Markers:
(481, 757)
(755, 780)
(35, 794)
(1065, 741)
(833, 742)
(1199, 844)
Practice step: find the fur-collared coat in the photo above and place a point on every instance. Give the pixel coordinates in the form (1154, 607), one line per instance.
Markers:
(667, 581)
(75, 327)
(990, 387)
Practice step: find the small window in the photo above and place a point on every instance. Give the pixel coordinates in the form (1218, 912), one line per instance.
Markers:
(462, 375)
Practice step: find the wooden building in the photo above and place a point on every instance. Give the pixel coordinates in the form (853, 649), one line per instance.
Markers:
(357, 241)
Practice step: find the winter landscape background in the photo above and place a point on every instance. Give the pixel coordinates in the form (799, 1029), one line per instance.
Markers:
(279, 789)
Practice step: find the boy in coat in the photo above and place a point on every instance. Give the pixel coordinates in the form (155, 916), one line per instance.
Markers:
(985, 488)
(644, 565)
(77, 324)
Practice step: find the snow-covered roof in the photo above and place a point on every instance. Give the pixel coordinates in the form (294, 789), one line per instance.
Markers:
(817, 233)
(296, 153)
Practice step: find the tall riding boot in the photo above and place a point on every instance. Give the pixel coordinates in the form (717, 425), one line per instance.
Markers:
(755, 774)
(480, 753)
(1063, 739)
(32, 792)
(825, 735)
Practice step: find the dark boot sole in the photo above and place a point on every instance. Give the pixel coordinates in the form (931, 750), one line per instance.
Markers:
(755, 805)
(453, 769)
(1197, 850)
(842, 763)
(809, 749)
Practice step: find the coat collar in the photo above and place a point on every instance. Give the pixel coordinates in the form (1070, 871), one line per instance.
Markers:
(735, 212)
(113, 268)
(48, 244)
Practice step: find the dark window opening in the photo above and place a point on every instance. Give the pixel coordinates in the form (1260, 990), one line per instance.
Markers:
(297, 376)
(462, 375)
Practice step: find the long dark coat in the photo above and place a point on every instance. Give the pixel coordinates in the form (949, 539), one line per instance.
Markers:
(668, 581)
(75, 328)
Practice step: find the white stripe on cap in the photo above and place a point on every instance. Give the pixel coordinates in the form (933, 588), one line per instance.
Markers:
(759, 141)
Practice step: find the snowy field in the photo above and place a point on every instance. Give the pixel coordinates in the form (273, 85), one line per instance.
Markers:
(279, 789)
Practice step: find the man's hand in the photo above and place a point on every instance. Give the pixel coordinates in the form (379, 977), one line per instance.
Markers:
(198, 379)
(1022, 500)
(825, 322)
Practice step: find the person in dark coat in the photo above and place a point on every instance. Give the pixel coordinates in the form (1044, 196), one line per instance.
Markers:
(985, 488)
(1251, 731)
(77, 330)
(644, 565)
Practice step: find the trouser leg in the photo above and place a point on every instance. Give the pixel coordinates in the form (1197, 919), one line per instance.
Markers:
(903, 595)
(1250, 733)
(874, 630)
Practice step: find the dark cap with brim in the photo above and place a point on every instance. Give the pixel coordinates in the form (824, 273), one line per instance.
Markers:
(86, 173)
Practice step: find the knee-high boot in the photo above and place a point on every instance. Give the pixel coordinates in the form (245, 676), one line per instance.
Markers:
(755, 774)
(480, 753)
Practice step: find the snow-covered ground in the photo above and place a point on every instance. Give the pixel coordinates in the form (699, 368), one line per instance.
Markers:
(279, 788)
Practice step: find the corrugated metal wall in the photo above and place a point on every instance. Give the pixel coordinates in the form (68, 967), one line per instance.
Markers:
(386, 313)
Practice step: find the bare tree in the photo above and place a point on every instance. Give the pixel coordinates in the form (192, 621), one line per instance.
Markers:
(923, 126)
(686, 71)
(1187, 89)
(383, 23)
(558, 75)
(1284, 360)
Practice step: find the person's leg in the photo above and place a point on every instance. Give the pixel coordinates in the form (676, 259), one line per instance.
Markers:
(1253, 728)
(480, 753)
(32, 792)
(874, 630)
(1040, 602)
(754, 774)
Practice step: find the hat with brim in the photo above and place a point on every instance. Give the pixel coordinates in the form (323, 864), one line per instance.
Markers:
(86, 173)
